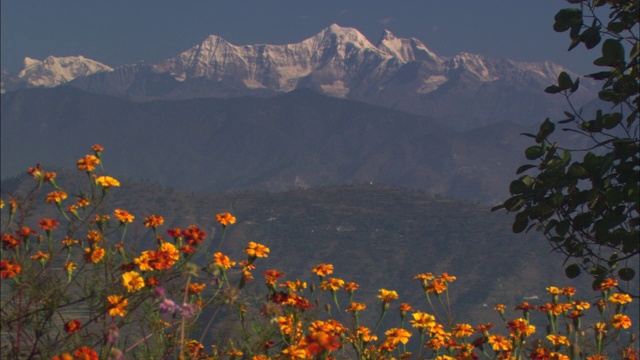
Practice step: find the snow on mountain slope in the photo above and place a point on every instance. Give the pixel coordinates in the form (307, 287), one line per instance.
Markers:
(54, 71)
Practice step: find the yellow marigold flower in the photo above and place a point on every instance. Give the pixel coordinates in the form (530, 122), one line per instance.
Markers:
(1, 204)
(332, 284)
(558, 356)
(600, 328)
(444, 357)
(365, 333)
(387, 295)
(553, 290)
(68, 242)
(225, 219)
(620, 321)
(295, 285)
(88, 163)
(107, 181)
(620, 299)
(293, 353)
(499, 343)
(56, 196)
(234, 352)
(355, 306)
(153, 221)
(123, 216)
(69, 266)
(558, 340)
(143, 261)
(581, 305)
(462, 330)
(93, 255)
(223, 260)
(397, 335)
(424, 276)
(255, 250)
(117, 305)
(423, 321)
(323, 270)
(132, 281)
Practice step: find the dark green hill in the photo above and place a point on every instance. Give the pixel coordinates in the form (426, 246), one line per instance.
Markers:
(299, 139)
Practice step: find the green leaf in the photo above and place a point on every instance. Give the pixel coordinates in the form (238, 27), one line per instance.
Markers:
(553, 89)
(572, 271)
(564, 81)
(517, 187)
(524, 168)
(609, 121)
(533, 152)
(546, 129)
(576, 170)
(612, 53)
(626, 274)
(566, 18)
(520, 223)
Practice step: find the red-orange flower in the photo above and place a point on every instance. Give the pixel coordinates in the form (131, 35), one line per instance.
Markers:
(85, 353)
(72, 326)
(9, 242)
(323, 270)
(9, 269)
(25, 232)
(194, 235)
(123, 216)
(93, 255)
(56, 196)
(48, 224)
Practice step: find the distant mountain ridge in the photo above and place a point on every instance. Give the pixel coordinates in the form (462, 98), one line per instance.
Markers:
(339, 61)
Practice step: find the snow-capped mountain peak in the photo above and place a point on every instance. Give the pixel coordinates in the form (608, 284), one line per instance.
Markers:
(54, 71)
(406, 50)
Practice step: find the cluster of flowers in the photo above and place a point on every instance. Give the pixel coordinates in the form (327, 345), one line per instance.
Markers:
(151, 291)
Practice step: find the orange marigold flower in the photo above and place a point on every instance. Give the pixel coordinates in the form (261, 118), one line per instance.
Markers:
(107, 182)
(499, 343)
(387, 295)
(255, 250)
(93, 255)
(117, 305)
(69, 266)
(97, 148)
(500, 308)
(153, 221)
(132, 281)
(94, 236)
(293, 352)
(88, 163)
(434, 344)
(123, 216)
(355, 306)
(446, 278)
(48, 224)
(56, 196)
(225, 219)
(35, 171)
(620, 299)
(68, 242)
(323, 270)
(196, 288)
(272, 276)
(332, 284)
(553, 290)
(558, 356)
(607, 284)
(521, 327)
(404, 307)
(600, 328)
(620, 321)
(437, 287)
(72, 326)
(462, 330)
(9, 269)
(397, 335)
(581, 305)
(40, 256)
(174, 232)
(83, 201)
(557, 340)
(569, 291)
(295, 285)
(63, 356)
(9, 242)
(424, 276)
(350, 287)
(85, 353)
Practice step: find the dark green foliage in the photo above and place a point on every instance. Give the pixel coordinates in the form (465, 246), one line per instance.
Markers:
(585, 201)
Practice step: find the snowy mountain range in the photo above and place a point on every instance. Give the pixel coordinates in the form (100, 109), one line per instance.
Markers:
(339, 62)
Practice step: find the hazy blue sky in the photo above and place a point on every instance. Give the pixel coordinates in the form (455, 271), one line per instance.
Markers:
(117, 32)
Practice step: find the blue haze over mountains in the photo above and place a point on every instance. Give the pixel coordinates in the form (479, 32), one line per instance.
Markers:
(332, 109)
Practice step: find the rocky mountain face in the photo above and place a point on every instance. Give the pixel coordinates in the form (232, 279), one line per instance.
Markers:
(340, 62)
